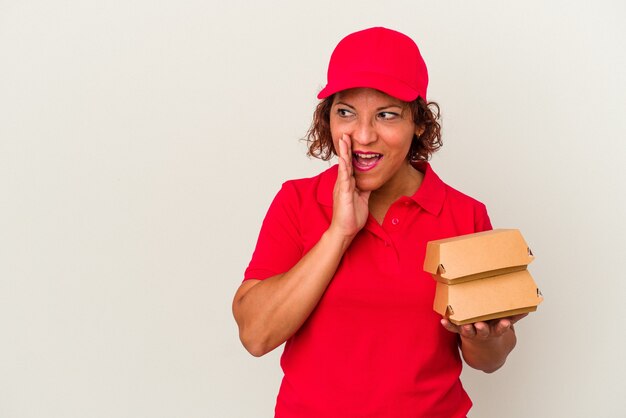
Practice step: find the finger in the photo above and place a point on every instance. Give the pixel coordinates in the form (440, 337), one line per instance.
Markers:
(345, 183)
(348, 141)
(342, 168)
(340, 151)
(449, 326)
(341, 155)
(467, 331)
(502, 326)
(348, 152)
(342, 148)
(516, 318)
(482, 329)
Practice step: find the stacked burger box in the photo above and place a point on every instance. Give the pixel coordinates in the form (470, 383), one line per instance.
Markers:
(482, 276)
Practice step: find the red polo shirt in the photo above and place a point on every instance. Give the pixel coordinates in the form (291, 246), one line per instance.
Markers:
(373, 347)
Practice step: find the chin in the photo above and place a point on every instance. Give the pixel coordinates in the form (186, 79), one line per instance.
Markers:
(367, 185)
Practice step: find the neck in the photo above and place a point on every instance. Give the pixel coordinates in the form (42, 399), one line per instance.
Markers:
(405, 184)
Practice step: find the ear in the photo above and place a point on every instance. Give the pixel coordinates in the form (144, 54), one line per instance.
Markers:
(419, 129)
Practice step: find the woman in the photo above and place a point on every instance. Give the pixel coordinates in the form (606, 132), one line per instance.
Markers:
(337, 270)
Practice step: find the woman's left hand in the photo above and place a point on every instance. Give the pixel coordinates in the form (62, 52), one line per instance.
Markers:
(483, 330)
(486, 345)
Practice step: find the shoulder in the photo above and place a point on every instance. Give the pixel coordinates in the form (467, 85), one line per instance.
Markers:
(451, 194)
(434, 194)
(468, 213)
(469, 210)
(459, 198)
(307, 182)
(319, 187)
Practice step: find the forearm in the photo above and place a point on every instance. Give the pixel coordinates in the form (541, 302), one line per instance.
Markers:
(272, 310)
(488, 355)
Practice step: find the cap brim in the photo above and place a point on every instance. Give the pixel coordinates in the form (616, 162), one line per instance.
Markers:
(386, 84)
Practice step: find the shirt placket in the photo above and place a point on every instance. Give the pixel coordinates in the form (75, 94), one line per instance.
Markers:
(388, 233)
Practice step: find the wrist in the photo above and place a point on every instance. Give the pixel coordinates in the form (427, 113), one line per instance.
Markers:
(338, 237)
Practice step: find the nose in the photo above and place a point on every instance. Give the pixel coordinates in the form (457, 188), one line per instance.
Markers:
(363, 133)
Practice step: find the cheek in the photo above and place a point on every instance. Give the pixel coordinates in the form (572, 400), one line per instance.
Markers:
(335, 133)
(401, 141)
(410, 134)
(335, 129)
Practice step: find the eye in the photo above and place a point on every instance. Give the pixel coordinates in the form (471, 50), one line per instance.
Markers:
(344, 113)
(388, 115)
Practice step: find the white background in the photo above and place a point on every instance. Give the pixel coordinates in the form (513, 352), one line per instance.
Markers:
(142, 141)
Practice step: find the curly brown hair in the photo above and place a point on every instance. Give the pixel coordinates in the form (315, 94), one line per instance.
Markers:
(425, 115)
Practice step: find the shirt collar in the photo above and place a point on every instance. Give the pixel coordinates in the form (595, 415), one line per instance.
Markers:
(429, 196)
(432, 191)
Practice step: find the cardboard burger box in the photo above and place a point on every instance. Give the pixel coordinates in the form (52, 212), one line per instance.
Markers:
(482, 276)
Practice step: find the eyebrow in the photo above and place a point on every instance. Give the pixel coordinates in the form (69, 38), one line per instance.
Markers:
(378, 109)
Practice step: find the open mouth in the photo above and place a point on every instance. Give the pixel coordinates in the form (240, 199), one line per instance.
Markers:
(364, 161)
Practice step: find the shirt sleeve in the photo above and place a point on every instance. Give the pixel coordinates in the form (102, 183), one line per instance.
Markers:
(481, 219)
(279, 245)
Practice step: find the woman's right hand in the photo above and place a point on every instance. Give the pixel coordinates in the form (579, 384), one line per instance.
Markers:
(350, 205)
(270, 311)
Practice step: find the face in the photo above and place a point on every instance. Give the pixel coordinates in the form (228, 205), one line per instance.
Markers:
(381, 130)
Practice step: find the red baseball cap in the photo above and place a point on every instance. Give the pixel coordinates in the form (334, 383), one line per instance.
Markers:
(378, 58)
